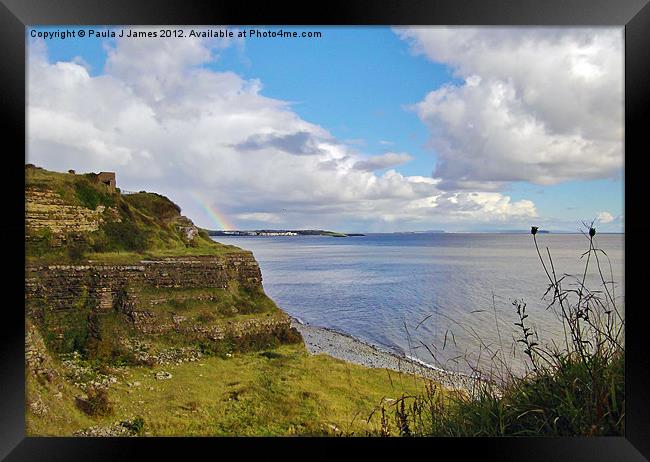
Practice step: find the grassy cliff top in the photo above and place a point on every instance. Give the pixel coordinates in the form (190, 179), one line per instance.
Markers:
(113, 227)
(278, 392)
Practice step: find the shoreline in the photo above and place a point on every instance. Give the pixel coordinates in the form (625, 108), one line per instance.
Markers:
(322, 340)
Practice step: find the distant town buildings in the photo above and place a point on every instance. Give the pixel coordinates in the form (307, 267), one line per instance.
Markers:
(258, 233)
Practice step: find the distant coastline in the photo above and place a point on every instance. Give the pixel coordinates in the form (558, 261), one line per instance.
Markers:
(281, 232)
(318, 232)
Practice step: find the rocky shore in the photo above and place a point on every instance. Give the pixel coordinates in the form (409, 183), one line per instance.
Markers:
(345, 347)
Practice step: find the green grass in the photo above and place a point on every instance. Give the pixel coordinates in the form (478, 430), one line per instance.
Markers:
(62, 417)
(234, 302)
(284, 391)
(42, 179)
(117, 257)
(566, 401)
(43, 254)
(155, 205)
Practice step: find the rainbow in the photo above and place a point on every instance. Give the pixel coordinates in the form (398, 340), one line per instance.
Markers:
(219, 218)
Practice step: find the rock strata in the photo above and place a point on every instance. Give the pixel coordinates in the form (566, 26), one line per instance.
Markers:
(47, 210)
(61, 297)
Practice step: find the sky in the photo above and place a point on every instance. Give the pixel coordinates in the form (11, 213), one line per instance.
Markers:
(368, 129)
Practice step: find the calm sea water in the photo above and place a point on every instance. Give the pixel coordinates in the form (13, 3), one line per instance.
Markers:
(403, 291)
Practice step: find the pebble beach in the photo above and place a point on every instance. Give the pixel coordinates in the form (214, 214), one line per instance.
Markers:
(320, 340)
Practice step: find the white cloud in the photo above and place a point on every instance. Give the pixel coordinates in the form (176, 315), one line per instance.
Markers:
(166, 123)
(605, 217)
(537, 104)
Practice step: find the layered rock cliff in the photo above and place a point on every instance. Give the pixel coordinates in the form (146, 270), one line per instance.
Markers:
(108, 273)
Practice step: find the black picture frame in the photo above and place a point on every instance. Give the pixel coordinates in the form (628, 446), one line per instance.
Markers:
(15, 15)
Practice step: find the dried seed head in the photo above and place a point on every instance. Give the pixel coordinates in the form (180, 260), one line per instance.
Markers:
(533, 230)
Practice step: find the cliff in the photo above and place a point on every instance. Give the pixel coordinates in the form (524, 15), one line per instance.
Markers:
(126, 278)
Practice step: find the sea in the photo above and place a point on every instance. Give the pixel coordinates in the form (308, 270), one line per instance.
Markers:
(445, 299)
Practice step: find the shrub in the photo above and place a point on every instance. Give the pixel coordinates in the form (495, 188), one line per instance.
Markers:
(125, 235)
(219, 348)
(155, 205)
(76, 250)
(98, 242)
(39, 243)
(135, 426)
(89, 196)
(125, 210)
(247, 343)
(291, 335)
(97, 404)
(271, 355)
(206, 316)
(73, 324)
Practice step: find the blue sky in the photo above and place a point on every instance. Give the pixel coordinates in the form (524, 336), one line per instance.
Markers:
(357, 94)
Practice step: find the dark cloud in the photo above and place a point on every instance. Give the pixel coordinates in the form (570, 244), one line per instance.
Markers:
(390, 159)
(299, 143)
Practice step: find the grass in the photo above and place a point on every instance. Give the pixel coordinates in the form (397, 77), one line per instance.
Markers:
(284, 391)
(234, 302)
(116, 257)
(211, 250)
(42, 179)
(132, 258)
(155, 205)
(560, 402)
(62, 256)
(63, 417)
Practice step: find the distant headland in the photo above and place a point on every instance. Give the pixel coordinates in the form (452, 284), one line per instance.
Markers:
(282, 232)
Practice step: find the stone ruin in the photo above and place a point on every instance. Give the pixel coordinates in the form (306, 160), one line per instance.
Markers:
(108, 178)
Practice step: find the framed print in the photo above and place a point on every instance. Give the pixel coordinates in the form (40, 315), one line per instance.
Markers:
(377, 224)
